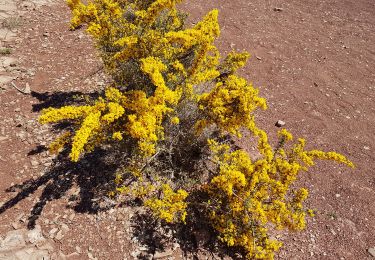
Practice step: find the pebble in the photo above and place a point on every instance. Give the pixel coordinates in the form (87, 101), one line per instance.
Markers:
(3, 138)
(35, 235)
(52, 232)
(59, 235)
(34, 163)
(13, 239)
(78, 249)
(280, 123)
(15, 225)
(371, 251)
(159, 255)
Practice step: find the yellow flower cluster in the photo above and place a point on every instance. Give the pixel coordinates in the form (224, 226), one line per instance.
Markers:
(51, 115)
(230, 105)
(130, 113)
(89, 125)
(172, 207)
(233, 62)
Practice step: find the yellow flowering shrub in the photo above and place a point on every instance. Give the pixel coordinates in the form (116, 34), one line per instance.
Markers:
(246, 196)
(171, 101)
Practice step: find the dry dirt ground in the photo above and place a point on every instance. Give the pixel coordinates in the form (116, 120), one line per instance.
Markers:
(314, 60)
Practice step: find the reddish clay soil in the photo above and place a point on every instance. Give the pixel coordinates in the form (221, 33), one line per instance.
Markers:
(313, 60)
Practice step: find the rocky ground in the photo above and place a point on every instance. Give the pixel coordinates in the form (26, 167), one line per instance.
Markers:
(313, 60)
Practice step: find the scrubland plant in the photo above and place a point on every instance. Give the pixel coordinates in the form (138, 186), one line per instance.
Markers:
(174, 104)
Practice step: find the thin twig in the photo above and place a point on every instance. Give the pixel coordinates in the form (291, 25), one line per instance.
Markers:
(20, 90)
(93, 72)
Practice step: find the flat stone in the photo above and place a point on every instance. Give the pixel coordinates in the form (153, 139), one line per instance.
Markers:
(371, 251)
(32, 254)
(46, 245)
(4, 80)
(34, 163)
(35, 235)
(59, 235)
(8, 6)
(3, 138)
(13, 239)
(15, 225)
(9, 62)
(7, 36)
(160, 255)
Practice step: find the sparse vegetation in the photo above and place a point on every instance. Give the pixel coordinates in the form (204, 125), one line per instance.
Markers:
(12, 22)
(5, 51)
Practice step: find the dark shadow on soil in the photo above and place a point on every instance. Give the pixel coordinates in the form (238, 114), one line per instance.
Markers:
(37, 150)
(93, 176)
(60, 99)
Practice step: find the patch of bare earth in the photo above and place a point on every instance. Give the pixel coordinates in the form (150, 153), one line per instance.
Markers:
(313, 60)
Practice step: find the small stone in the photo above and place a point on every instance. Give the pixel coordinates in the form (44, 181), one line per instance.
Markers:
(4, 80)
(35, 235)
(280, 123)
(46, 34)
(59, 235)
(72, 216)
(366, 148)
(371, 251)
(78, 249)
(338, 195)
(34, 163)
(159, 255)
(91, 256)
(52, 232)
(46, 246)
(9, 62)
(135, 253)
(64, 228)
(175, 246)
(13, 239)
(278, 9)
(15, 225)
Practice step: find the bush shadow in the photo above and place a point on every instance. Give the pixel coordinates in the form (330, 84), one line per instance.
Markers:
(93, 176)
(59, 99)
